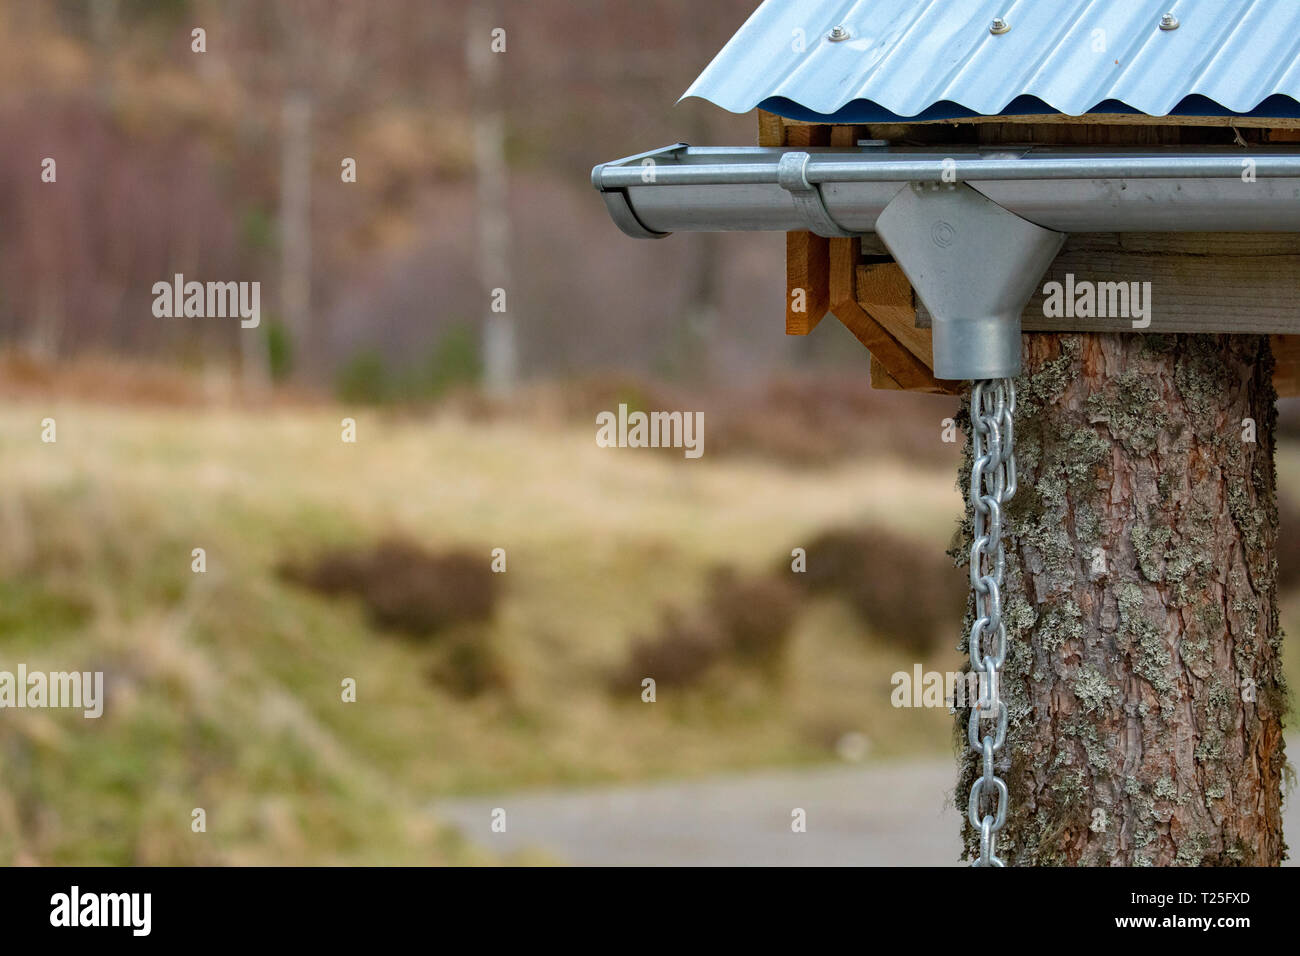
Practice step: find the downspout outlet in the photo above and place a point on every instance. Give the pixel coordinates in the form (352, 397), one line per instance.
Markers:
(975, 265)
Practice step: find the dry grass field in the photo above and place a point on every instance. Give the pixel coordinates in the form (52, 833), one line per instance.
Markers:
(223, 687)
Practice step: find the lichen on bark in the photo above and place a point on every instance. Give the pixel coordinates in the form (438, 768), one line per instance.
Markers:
(1143, 676)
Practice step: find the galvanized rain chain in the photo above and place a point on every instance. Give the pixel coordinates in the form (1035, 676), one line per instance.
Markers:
(992, 485)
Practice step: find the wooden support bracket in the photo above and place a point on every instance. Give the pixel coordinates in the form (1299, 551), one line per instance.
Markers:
(807, 255)
(1235, 283)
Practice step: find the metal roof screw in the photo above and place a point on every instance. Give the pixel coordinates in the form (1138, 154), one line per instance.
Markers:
(1169, 22)
(999, 26)
(837, 34)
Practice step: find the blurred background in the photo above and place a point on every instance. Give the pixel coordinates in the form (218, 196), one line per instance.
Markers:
(328, 560)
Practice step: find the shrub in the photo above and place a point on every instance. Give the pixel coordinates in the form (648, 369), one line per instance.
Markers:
(364, 378)
(405, 587)
(754, 615)
(454, 361)
(679, 655)
(905, 593)
(279, 351)
(470, 667)
(743, 619)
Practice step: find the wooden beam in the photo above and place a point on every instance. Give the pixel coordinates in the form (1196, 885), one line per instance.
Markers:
(807, 256)
(887, 296)
(771, 129)
(807, 280)
(1003, 130)
(1286, 364)
(905, 368)
(1119, 126)
(844, 252)
(845, 255)
(880, 377)
(1240, 283)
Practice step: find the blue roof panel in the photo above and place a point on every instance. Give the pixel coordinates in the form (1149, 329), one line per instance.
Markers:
(938, 59)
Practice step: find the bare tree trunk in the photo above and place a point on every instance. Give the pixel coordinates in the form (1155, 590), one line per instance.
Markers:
(45, 334)
(295, 221)
(692, 352)
(500, 346)
(1143, 677)
(103, 31)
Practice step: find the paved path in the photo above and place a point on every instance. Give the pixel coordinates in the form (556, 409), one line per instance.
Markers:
(881, 814)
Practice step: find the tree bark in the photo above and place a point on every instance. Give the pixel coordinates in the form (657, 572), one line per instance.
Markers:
(1143, 676)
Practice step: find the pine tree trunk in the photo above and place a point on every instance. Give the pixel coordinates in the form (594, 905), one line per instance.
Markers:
(1143, 675)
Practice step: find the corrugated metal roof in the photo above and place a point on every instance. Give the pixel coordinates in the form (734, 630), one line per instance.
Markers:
(938, 59)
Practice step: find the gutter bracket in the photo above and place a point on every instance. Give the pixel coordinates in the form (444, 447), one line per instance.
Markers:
(975, 265)
(792, 176)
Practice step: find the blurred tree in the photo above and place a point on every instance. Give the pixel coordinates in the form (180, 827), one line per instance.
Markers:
(165, 155)
(317, 54)
(485, 42)
(295, 216)
(103, 29)
(699, 26)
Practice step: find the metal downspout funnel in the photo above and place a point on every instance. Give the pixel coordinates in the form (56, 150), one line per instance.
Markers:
(973, 232)
(975, 265)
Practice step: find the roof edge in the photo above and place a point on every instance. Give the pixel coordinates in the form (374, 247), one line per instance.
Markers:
(1278, 106)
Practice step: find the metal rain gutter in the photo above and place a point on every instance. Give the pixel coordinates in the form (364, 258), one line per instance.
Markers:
(973, 229)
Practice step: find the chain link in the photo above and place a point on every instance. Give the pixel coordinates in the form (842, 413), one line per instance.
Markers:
(992, 485)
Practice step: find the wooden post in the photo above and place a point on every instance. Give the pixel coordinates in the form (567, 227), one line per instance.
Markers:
(1143, 676)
